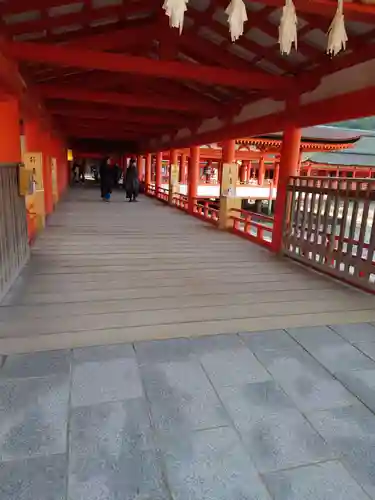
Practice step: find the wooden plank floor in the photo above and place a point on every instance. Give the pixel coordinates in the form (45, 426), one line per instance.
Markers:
(117, 272)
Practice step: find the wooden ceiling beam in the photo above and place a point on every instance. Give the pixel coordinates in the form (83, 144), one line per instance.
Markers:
(121, 99)
(118, 63)
(114, 116)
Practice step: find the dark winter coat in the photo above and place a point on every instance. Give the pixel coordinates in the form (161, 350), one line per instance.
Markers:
(131, 183)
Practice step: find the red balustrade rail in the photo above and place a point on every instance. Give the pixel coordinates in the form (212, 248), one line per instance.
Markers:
(162, 194)
(253, 226)
(180, 201)
(159, 193)
(204, 210)
(150, 189)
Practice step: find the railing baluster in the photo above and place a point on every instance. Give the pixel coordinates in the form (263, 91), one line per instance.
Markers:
(339, 249)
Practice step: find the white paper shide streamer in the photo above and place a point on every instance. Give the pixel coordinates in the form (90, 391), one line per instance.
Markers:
(237, 16)
(288, 28)
(337, 36)
(175, 10)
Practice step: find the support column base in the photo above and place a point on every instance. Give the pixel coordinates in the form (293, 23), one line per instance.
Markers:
(226, 206)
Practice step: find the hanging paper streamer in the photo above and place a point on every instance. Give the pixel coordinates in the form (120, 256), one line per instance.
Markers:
(288, 28)
(175, 10)
(337, 36)
(237, 17)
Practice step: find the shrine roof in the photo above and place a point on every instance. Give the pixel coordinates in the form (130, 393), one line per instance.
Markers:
(322, 137)
(361, 155)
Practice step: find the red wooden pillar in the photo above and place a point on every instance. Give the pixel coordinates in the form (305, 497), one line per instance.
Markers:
(183, 164)
(158, 172)
(243, 172)
(140, 164)
(219, 172)
(148, 171)
(229, 151)
(47, 170)
(193, 177)
(289, 163)
(276, 174)
(173, 160)
(10, 132)
(261, 171)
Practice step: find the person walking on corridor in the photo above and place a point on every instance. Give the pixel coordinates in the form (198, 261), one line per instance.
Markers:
(131, 183)
(105, 180)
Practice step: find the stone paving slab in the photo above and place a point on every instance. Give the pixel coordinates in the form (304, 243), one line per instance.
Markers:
(255, 416)
(327, 481)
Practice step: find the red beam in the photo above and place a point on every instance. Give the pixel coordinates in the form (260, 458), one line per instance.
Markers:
(98, 80)
(111, 129)
(119, 99)
(122, 39)
(118, 63)
(92, 134)
(115, 116)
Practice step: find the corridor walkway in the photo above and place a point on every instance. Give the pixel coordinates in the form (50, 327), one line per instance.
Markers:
(119, 272)
(248, 415)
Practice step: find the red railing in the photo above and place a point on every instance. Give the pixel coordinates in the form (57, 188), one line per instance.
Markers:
(204, 210)
(253, 226)
(150, 189)
(180, 201)
(162, 194)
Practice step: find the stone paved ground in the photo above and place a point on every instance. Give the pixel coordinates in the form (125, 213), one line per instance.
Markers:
(283, 415)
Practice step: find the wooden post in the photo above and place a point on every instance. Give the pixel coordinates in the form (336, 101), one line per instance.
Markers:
(243, 172)
(147, 172)
(183, 164)
(276, 174)
(10, 136)
(193, 177)
(289, 163)
(158, 165)
(140, 164)
(47, 170)
(172, 174)
(228, 181)
(261, 171)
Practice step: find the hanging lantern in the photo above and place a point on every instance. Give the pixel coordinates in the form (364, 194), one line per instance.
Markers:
(175, 10)
(337, 36)
(288, 28)
(237, 17)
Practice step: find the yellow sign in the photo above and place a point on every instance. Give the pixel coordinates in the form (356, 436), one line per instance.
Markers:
(70, 155)
(229, 180)
(25, 181)
(34, 162)
(174, 174)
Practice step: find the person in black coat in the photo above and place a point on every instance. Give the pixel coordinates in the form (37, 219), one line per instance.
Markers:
(105, 179)
(131, 183)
